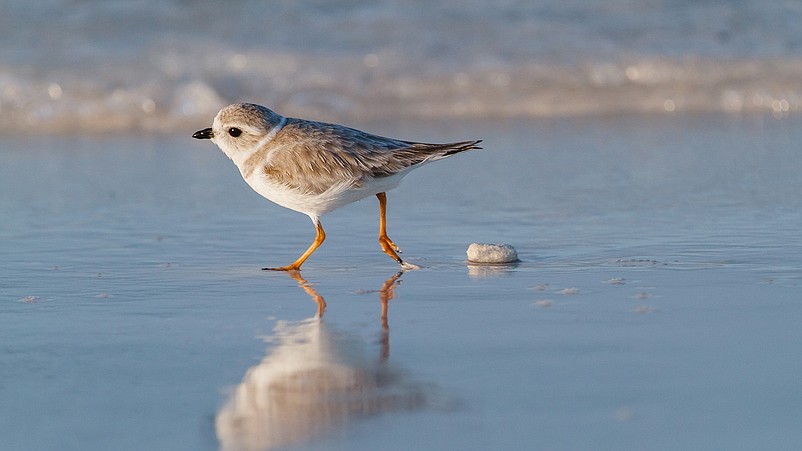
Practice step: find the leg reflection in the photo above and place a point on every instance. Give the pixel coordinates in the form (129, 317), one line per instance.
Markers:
(386, 294)
(303, 283)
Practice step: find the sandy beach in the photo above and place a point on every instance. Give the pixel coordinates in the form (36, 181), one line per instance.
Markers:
(655, 305)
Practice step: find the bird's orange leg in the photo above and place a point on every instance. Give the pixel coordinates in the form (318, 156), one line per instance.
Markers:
(386, 243)
(296, 265)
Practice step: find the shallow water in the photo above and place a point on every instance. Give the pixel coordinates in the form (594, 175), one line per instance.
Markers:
(654, 307)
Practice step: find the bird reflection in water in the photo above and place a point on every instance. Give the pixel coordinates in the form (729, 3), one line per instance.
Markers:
(313, 380)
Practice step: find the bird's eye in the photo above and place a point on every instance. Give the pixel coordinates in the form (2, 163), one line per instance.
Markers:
(234, 131)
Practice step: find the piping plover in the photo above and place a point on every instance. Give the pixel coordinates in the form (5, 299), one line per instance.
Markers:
(315, 167)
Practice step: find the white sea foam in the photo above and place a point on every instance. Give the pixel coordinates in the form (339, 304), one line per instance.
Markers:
(162, 66)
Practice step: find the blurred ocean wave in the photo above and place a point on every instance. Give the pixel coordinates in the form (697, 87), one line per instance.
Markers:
(91, 67)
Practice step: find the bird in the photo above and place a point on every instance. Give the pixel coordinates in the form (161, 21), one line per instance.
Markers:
(316, 167)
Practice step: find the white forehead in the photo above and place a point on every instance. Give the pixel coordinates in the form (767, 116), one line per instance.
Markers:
(247, 116)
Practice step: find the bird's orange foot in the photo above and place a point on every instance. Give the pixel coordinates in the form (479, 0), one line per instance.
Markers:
(389, 248)
(393, 246)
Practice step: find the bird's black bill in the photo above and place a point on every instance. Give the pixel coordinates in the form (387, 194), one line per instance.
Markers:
(206, 133)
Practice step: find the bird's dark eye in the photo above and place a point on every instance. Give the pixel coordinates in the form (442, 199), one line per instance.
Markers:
(234, 131)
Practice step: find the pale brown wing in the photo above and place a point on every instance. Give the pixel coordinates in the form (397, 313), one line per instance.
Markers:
(313, 157)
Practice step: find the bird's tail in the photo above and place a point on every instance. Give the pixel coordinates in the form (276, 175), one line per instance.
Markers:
(461, 147)
(420, 153)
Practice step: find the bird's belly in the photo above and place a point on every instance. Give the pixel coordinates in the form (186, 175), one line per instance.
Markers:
(318, 204)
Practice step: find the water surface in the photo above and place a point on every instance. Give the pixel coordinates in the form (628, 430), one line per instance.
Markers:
(655, 305)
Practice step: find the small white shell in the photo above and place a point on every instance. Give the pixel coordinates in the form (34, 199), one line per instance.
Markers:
(491, 253)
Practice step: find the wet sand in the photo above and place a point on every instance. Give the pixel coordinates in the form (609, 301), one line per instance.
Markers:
(655, 304)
